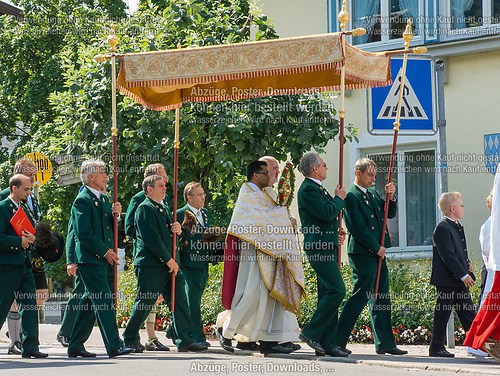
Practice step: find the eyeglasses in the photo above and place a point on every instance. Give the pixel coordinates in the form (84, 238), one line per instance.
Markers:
(262, 172)
(199, 194)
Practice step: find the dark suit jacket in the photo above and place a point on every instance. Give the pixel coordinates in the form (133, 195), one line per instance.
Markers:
(92, 221)
(154, 238)
(193, 252)
(364, 216)
(132, 207)
(11, 252)
(450, 261)
(318, 211)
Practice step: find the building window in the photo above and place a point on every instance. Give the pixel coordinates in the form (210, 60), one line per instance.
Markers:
(416, 187)
(384, 20)
(469, 18)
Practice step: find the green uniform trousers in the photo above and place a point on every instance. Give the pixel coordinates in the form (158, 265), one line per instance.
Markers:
(17, 282)
(96, 302)
(196, 281)
(71, 310)
(331, 291)
(73, 305)
(364, 273)
(151, 282)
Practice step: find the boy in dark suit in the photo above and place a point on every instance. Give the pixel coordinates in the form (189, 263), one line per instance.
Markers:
(451, 270)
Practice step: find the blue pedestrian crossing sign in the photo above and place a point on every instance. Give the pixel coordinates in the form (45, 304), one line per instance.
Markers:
(418, 109)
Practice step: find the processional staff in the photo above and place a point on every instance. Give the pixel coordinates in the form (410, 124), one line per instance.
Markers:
(112, 55)
(407, 37)
(343, 18)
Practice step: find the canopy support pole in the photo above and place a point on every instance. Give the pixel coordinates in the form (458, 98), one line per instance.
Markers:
(176, 180)
(113, 42)
(407, 36)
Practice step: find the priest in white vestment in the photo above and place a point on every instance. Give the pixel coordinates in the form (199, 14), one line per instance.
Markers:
(263, 274)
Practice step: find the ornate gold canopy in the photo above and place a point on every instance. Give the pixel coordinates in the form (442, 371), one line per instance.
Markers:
(163, 80)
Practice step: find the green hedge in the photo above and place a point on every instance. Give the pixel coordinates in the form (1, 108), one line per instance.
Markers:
(412, 297)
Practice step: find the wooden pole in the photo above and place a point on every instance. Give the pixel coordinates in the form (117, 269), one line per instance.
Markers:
(113, 42)
(176, 179)
(407, 36)
(343, 17)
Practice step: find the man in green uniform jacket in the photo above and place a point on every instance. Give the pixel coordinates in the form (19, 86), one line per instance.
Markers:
(73, 303)
(195, 256)
(364, 218)
(154, 266)
(26, 167)
(16, 275)
(318, 212)
(92, 218)
(153, 343)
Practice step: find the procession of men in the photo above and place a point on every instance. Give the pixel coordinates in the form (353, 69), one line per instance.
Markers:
(263, 282)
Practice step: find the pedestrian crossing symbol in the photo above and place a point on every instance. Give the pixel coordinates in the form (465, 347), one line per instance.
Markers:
(418, 106)
(411, 107)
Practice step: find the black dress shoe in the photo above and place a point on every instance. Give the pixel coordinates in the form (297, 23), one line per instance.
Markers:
(193, 347)
(346, 350)
(275, 349)
(204, 343)
(225, 343)
(14, 348)
(312, 344)
(155, 345)
(63, 340)
(82, 353)
(393, 351)
(121, 351)
(291, 345)
(441, 353)
(36, 354)
(138, 348)
(249, 346)
(335, 352)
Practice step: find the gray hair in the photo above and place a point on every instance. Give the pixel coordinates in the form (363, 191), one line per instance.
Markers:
(308, 161)
(90, 166)
(150, 181)
(362, 164)
(153, 169)
(188, 189)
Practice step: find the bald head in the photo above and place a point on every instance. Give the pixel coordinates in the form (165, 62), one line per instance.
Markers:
(273, 168)
(20, 187)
